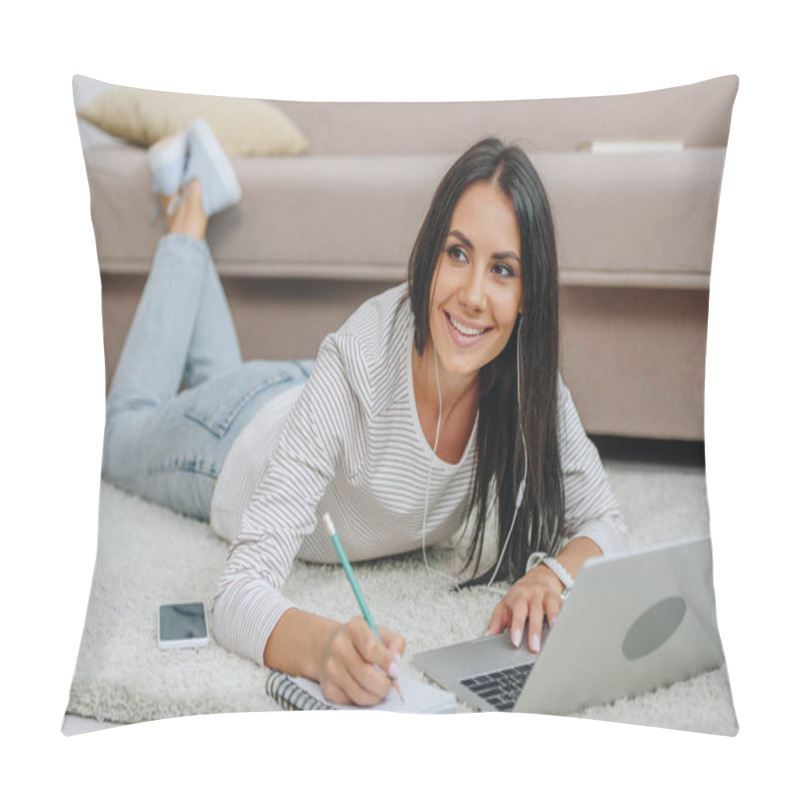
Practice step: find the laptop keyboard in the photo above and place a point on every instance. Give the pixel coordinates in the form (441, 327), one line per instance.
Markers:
(500, 688)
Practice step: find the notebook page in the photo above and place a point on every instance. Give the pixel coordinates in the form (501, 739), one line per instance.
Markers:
(420, 698)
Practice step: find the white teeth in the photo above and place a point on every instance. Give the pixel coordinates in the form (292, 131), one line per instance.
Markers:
(463, 329)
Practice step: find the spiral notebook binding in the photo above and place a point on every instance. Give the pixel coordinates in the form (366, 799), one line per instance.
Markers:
(281, 688)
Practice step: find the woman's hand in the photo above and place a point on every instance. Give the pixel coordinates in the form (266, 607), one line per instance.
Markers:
(536, 596)
(357, 668)
(348, 661)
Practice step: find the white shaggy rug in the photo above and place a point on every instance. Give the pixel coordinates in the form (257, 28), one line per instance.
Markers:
(148, 555)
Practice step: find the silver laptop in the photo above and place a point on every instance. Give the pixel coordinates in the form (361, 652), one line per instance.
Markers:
(630, 624)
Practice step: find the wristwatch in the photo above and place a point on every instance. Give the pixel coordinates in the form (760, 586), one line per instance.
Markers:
(554, 566)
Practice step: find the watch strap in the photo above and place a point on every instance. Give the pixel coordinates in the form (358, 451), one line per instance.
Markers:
(554, 566)
(534, 559)
(560, 571)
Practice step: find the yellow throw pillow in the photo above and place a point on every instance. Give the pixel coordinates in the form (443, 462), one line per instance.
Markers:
(243, 127)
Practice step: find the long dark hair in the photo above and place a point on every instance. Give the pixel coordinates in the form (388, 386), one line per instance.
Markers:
(500, 464)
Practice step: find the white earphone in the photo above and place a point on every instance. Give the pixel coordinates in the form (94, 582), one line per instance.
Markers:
(520, 490)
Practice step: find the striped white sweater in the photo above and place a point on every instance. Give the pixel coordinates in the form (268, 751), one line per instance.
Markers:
(353, 446)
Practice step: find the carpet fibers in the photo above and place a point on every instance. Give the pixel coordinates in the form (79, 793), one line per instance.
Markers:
(148, 555)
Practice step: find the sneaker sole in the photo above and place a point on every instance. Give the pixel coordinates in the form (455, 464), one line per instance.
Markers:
(161, 156)
(167, 151)
(202, 131)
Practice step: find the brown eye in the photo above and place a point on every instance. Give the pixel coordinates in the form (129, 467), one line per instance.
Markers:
(504, 270)
(457, 253)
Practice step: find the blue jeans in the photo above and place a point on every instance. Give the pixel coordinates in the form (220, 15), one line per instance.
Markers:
(163, 443)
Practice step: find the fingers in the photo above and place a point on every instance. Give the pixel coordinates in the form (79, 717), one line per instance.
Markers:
(394, 642)
(544, 605)
(351, 673)
(552, 606)
(528, 602)
(536, 619)
(520, 611)
(501, 618)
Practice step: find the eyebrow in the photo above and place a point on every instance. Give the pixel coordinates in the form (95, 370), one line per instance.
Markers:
(508, 254)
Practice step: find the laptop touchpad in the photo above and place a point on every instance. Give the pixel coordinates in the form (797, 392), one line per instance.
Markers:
(492, 653)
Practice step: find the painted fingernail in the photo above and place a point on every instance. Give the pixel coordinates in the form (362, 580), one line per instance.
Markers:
(397, 658)
(535, 643)
(516, 638)
(393, 670)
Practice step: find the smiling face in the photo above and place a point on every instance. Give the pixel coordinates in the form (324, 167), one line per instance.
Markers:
(477, 286)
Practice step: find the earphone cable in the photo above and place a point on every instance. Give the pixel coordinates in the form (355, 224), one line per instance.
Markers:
(520, 490)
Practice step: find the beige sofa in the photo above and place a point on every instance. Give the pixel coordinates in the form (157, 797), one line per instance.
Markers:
(317, 234)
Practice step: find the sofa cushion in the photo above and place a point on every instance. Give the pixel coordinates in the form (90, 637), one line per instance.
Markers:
(244, 127)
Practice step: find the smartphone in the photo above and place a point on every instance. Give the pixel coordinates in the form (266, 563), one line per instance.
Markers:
(182, 625)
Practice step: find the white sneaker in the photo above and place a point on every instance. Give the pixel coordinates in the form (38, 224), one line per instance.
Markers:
(208, 163)
(167, 160)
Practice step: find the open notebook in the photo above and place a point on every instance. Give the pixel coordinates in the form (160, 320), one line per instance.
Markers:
(301, 694)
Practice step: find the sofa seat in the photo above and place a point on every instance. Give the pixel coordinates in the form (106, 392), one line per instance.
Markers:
(627, 220)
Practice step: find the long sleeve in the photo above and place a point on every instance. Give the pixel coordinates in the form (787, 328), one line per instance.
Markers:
(249, 600)
(591, 509)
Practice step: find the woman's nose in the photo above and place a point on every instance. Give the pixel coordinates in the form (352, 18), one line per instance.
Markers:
(473, 290)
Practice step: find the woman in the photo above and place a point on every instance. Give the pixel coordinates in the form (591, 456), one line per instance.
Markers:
(436, 399)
